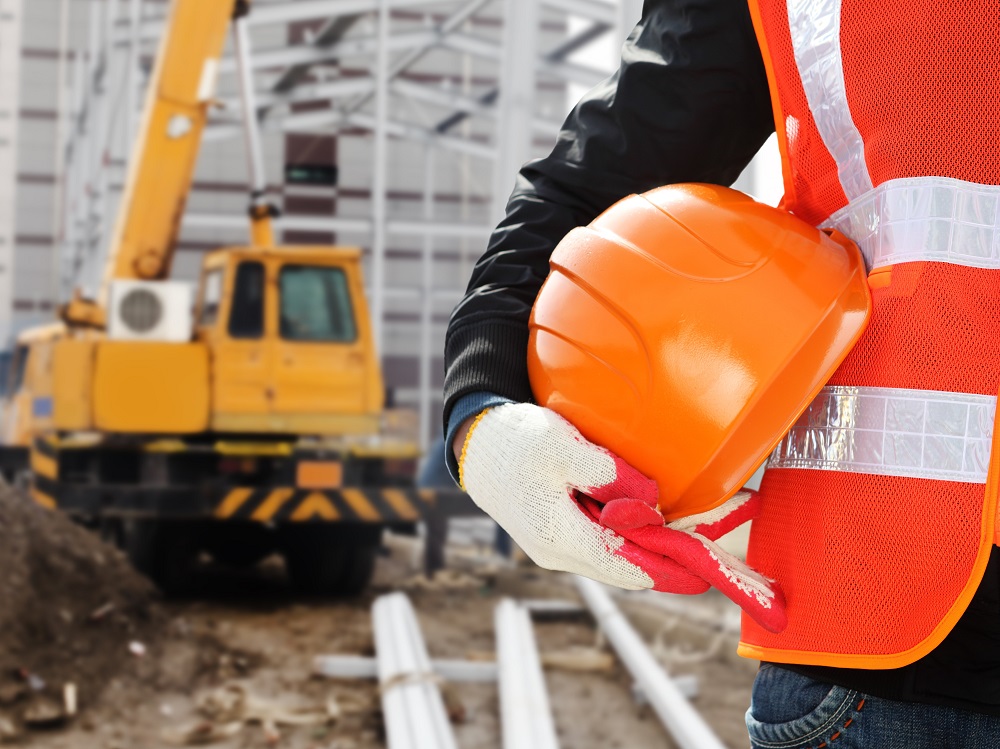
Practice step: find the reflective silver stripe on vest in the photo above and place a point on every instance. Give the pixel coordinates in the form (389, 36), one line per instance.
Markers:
(925, 218)
(925, 434)
(815, 30)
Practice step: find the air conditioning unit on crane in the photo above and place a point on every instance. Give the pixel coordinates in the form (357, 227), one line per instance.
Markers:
(150, 311)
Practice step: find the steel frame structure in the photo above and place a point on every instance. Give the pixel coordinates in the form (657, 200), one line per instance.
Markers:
(477, 130)
(10, 63)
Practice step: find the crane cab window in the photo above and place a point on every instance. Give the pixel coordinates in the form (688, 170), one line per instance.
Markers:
(246, 317)
(315, 304)
(211, 295)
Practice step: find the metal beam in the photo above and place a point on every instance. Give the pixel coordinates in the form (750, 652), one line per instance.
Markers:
(463, 106)
(572, 72)
(685, 725)
(59, 228)
(485, 102)
(516, 102)
(339, 224)
(595, 10)
(447, 99)
(591, 33)
(239, 222)
(473, 45)
(439, 229)
(279, 12)
(380, 175)
(442, 31)
(331, 33)
(307, 54)
(427, 303)
(323, 120)
(330, 120)
(423, 135)
(251, 130)
(11, 20)
(447, 295)
(282, 11)
(314, 92)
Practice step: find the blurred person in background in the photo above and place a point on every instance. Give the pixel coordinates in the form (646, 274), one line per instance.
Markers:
(888, 119)
(434, 475)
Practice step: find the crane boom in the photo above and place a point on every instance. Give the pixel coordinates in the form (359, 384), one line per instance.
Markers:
(167, 144)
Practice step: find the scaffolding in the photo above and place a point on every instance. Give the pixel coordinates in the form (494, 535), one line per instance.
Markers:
(453, 87)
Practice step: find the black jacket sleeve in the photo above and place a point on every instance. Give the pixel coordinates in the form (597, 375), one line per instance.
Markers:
(689, 103)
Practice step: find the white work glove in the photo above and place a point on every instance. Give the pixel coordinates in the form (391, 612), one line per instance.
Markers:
(576, 507)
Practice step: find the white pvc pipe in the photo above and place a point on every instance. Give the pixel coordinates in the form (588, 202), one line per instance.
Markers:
(415, 717)
(363, 667)
(524, 703)
(687, 727)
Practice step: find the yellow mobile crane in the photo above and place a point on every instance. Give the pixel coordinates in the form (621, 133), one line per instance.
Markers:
(259, 424)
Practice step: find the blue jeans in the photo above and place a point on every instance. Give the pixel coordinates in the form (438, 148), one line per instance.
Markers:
(789, 711)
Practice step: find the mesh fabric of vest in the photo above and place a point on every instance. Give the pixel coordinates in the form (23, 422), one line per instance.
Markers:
(862, 577)
(871, 564)
(933, 327)
(922, 82)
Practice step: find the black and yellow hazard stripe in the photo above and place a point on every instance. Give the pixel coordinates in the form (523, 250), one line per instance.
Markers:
(43, 489)
(44, 463)
(43, 499)
(300, 505)
(43, 457)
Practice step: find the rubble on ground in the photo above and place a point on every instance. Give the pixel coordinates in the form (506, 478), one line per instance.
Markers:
(234, 667)
(69, 606)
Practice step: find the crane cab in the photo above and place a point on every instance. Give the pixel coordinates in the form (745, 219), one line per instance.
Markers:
(281, 344)
(289, 341)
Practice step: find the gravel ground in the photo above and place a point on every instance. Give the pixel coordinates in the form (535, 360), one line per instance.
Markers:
(246, 634)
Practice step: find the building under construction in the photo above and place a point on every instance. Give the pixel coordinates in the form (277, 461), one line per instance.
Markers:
(408, 153)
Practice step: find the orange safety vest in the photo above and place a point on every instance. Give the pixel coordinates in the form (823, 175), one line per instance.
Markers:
(879, 505)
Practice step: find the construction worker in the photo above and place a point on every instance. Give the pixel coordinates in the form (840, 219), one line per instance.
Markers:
(888, 119)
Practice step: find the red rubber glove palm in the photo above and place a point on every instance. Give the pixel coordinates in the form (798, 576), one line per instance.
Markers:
(690, 541)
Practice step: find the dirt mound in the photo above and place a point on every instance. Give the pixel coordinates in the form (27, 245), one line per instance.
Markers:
(69, 603)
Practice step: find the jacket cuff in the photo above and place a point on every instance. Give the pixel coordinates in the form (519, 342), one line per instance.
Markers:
(466, 406)
(486, 357)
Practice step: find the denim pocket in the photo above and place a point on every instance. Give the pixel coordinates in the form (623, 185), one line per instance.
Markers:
(791, 711)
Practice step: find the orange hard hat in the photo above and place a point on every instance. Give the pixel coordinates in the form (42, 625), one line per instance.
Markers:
(686, 329)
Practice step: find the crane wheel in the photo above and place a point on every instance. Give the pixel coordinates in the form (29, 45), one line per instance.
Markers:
(331, 560)
(164, 551)
(239, 545)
